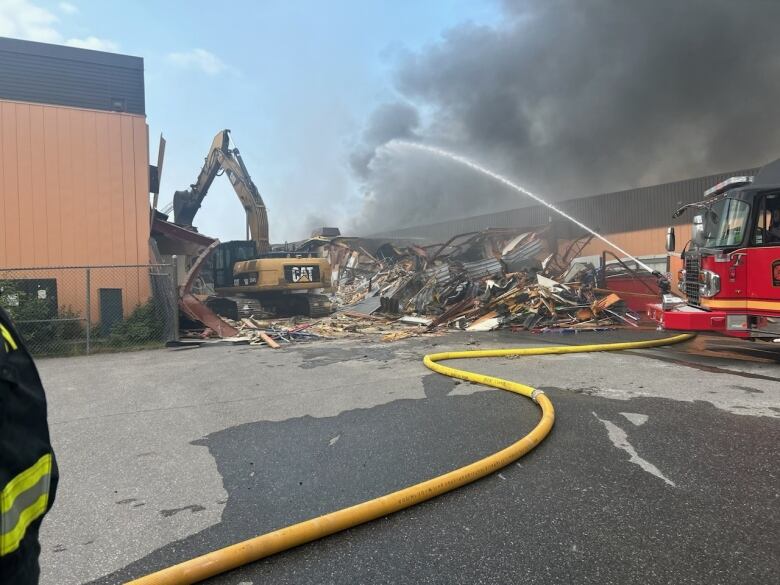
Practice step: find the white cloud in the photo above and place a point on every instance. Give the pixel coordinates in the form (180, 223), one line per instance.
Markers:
(22, 19)
(68, 8)
(201, 59)
(93, 43)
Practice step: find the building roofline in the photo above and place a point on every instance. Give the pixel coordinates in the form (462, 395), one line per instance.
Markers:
(66, 53)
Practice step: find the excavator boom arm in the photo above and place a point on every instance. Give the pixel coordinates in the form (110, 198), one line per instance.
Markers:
(256, 215)
(222, 158)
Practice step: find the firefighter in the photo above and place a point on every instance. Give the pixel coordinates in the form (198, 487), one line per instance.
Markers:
(28, 470)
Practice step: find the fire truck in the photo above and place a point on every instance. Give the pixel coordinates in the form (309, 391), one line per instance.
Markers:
(730, 275)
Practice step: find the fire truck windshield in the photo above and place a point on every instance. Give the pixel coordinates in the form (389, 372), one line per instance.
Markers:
(725, 223)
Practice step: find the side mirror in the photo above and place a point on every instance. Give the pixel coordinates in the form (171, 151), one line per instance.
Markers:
(670, 240)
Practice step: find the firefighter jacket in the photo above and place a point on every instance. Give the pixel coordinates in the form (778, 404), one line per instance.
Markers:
(28, 471)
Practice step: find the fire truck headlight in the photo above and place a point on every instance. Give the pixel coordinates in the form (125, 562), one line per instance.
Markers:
(710, 283)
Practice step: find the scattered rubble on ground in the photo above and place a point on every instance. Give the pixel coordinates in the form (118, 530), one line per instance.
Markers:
(277, 332)
(482, 281)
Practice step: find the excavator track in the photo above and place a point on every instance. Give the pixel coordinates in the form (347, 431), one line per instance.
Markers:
(288, 305)
(319, 306)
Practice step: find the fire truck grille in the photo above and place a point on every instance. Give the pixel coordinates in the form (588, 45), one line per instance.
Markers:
(692, 280)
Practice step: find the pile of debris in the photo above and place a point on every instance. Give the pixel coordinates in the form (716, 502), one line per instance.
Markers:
(478, 282)
(542, 305)
(275, 333)
(252, 331)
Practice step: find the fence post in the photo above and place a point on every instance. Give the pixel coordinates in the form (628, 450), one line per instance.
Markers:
(89, 308)
(175, 287)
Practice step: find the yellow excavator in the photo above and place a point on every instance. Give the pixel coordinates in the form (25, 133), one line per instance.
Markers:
(283, 282)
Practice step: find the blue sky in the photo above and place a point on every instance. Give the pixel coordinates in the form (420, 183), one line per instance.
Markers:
(294, 81)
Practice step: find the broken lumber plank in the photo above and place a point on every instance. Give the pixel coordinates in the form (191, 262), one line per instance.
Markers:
(363, 316)
(231, 341)
(409, 320)
(605, 303)
(270, 342)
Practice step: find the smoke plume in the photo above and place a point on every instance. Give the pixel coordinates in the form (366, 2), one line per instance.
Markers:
(571, 98)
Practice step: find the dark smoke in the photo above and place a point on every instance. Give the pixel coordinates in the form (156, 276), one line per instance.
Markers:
(387, 122)
(574, 97)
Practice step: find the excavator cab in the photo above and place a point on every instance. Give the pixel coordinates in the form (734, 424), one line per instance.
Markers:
(225, 257)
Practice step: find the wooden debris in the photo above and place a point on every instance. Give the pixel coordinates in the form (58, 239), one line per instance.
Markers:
(412, 320)
(364, 316)
(397, 335)
(584, 314)
(270, 342)
(604, 303)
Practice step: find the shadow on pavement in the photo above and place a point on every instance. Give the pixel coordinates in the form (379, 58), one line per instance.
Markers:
(575, 510)
(279, 473)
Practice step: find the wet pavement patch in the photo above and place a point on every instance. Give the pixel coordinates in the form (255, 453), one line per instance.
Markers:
(322, 355)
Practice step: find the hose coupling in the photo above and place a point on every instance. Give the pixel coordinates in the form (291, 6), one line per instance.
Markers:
(536, 393)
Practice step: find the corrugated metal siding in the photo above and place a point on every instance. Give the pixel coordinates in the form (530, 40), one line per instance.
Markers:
(74, 187)
(647, 242)
(523, 252)
(482, 268)
(74, 191)
(53, 74)
(440, 273)
(623, 211)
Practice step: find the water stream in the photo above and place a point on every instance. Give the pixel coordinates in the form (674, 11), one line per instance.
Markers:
(501, 179)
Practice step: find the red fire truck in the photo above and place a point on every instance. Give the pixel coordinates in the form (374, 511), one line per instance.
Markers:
(730, 278)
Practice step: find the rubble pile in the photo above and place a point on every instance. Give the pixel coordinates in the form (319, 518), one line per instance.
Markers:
(480, 281)
(477, 282)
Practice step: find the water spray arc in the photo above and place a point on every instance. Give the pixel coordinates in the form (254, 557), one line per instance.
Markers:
(501, 179)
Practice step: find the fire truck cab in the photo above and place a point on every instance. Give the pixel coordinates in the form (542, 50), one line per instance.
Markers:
(730, 280)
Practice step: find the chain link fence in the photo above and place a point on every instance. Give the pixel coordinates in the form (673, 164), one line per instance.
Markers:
(79, 310)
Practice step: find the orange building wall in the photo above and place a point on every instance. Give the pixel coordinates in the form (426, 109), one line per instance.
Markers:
(74, 190)
(648, 242)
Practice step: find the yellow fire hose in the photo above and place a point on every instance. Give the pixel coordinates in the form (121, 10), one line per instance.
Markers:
(242, 553)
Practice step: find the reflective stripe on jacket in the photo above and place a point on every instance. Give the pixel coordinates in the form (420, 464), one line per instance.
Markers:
(23, 500)
(9, 344)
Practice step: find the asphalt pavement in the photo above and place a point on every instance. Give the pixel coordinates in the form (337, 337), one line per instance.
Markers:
(662, 466)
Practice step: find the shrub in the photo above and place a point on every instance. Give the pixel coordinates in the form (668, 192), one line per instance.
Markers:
(144, 324)
(31, 314)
